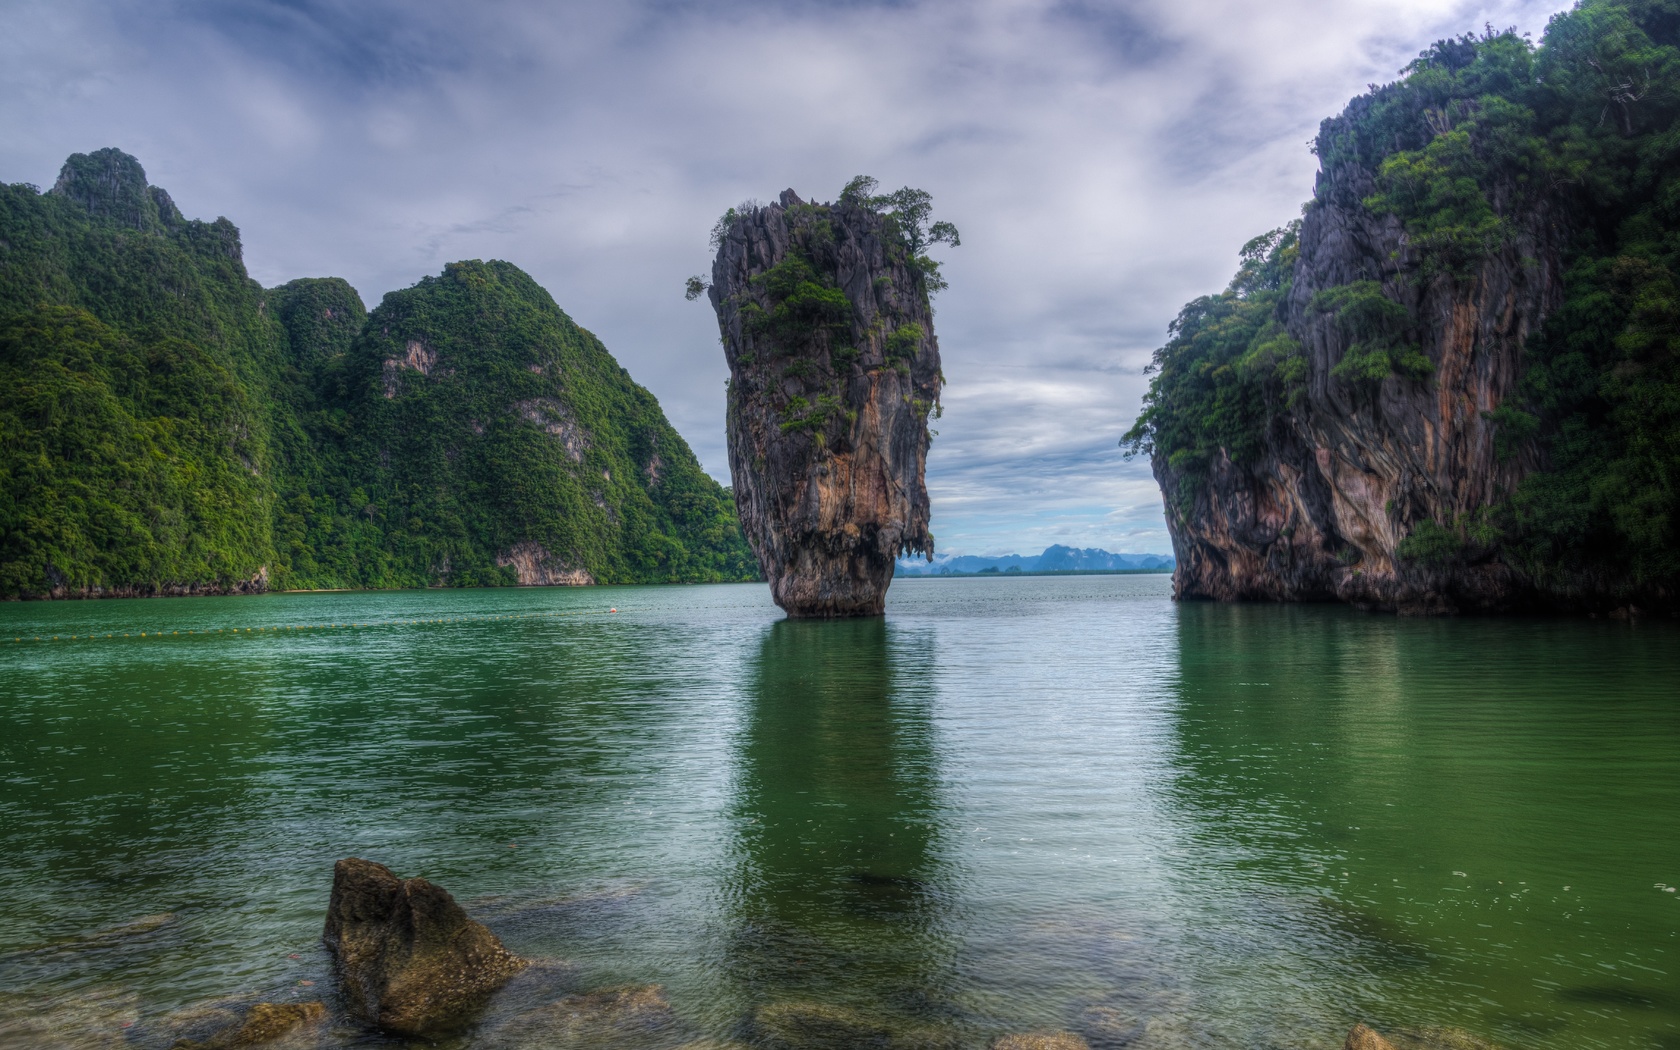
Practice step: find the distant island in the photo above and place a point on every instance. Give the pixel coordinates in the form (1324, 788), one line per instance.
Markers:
(1057, 560)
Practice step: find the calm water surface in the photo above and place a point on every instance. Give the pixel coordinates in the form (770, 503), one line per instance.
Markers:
(1016, 803)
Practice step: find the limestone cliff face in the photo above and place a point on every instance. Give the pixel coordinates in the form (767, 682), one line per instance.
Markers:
(1353, 468)
(833, 370)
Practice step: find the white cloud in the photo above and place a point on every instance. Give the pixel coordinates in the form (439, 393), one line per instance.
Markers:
(1104, 161)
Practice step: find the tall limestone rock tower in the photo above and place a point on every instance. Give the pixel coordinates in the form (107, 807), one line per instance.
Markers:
(834, 370)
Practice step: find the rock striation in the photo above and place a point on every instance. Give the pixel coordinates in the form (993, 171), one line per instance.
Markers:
(1348, 473)
(1452, 385)
(834, 370)
(409, 959)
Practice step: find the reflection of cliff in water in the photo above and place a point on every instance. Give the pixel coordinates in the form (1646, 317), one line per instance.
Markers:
(1284, 737)
(835, 810)
(1391, 811)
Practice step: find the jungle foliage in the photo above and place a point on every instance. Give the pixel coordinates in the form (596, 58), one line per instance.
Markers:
(166, 424)
(1481, 132)
(797, 313)
(1228, 368)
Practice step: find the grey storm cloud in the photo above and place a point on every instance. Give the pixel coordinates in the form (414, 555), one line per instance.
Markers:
(1104, 161)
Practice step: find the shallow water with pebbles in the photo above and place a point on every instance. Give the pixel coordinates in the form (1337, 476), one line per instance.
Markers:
(1040, 805)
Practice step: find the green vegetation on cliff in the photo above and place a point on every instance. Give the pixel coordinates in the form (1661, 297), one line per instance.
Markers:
(1228, 368)
(1483, 133)
(490, 420)
(808, 320)
(169, 426)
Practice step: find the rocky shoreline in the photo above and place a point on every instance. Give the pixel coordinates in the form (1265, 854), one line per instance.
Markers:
(411, 968)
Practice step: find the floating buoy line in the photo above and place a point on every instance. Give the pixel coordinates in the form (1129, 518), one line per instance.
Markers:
(303, 627)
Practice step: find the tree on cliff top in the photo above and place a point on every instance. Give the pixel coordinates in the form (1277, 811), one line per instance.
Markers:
(909, 208)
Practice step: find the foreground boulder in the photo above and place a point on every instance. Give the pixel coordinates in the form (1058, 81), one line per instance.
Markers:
(408, 958)
(834, 369)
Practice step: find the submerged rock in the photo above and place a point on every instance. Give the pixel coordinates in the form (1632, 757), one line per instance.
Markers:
(1360, 1037)
(408, 958)
(1142, 1027)
(1041, 1041)
(632, 1018)
(134, 927)
(834, 369)
(261, 1024)
(194, 1024)
(116, 937)
(89, 1020)
(1437, 1038)
(822, 1026)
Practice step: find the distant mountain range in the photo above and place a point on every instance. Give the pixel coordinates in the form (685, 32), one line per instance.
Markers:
(1056, 558)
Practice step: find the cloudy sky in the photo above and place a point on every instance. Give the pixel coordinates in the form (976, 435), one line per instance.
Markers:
(1103, 159)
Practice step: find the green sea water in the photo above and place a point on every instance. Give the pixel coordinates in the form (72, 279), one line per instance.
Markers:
(1013, 804)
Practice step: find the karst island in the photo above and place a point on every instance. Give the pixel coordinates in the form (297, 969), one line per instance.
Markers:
(423, 628)
(827, 324)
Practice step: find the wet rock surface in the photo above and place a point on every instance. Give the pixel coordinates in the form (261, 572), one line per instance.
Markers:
(408, 958)
(1041, 1041)
(1362, 1037)
(834, 369)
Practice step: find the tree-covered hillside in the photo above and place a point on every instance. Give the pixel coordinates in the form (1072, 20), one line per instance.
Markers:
(1487, 147)
(169, 426)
